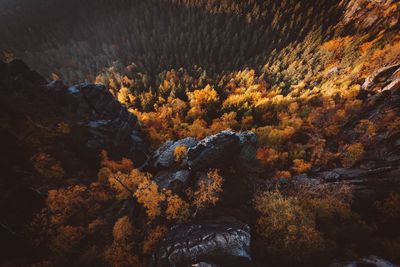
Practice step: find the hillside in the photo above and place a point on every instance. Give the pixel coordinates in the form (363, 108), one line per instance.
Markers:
(184, 132)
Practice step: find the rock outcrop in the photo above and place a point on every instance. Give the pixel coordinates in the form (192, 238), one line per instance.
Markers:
(378, 172)
(383, 79)
(111, 126)
(204, 240)
(164, 156)
(375, 15)
(219, 242)
(370, 261)
(222, 150)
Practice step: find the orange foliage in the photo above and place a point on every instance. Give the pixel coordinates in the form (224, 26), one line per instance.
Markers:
(151, 241)
(208, 190)
(300, 166)
(121, 252)
(227, 121)
(67, 239)
(177, 208)
(147, 194)
(282, 174)
(123, 230)
(267, 156)
(352, 154)
(124, 165)
(201, 101)
(180, 152)
(198, 129)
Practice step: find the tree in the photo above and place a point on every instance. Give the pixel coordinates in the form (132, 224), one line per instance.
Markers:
(208, 190)
(300, 166)
(180, 152)
(352, 154)
(148, 195)
(121, 252)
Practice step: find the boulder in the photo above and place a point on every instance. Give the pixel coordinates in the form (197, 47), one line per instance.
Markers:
(164, 156)
(380, 78)
(370, 261)
(217, 149)
(174, 180)
(224, 242)
(111, 125)
(368, 15)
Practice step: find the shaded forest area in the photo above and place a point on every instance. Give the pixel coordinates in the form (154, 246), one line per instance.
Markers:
(77, 39)
(277, 121)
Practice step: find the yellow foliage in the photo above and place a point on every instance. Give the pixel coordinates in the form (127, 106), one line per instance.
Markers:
(124, 184)
(67, 239)
(284, 223)
(208, 190)
(154, 237)
(123, 230)
(121, 252)
(282, 174)
(247, 122)
(180, 152)
(267, 156)
(336, 44)
(227, 121)
(201, 101)
(198, 129)
(300, 166)
(147, 194)
(124, 165)
(366, 129)
(63, 128)
(177, 208)
(352, 154)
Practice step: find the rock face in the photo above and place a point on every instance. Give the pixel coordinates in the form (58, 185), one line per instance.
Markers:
(111, 126)
(378, 173)
(164, 156)
(207, 241)
(217, 148)
(225, 243)
(369, 14)
(221, 150)
(370, 261)
(383, 79)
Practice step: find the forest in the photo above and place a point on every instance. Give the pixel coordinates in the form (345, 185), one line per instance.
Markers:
(200, 133)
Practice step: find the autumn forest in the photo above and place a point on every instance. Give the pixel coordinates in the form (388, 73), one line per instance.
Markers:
(200, 133)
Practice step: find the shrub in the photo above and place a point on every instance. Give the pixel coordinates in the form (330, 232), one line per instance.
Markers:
(177, 208)
(148, 195)
(208, 190)
(180, 152)
(121, 252)
(285, 226)
(301, 166)
(352, 154)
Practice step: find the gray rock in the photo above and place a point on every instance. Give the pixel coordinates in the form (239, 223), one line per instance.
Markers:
(57, 85)
(164, 156)
(111, 126)
(172, 179)
(380, 78)
(372, 261)
(222, 242)
(204, 264)
(217, 149)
